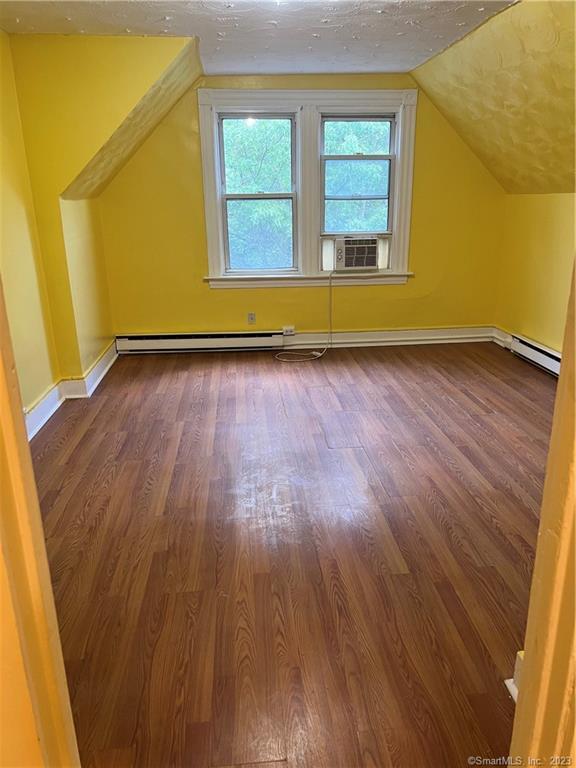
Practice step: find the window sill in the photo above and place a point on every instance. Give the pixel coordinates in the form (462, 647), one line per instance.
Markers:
(303, 281)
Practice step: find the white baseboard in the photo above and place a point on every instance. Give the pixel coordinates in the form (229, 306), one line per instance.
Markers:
(68, 389)
(512, 688)
(74, 388)
(502, 338)
(391, 338)
(513, 683)
(71, 389)
(37, 416)
(183, 342)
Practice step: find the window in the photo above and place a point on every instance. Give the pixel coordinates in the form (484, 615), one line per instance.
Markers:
(287, 173)
(356, 163)
(258, 194)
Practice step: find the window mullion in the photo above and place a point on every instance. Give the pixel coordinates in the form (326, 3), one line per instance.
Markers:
(308, 182)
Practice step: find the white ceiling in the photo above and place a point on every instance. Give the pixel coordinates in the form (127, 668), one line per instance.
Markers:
(271, 36)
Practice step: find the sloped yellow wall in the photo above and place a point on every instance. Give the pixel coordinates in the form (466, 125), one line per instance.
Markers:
(155, 242)
(508, 89)
(74, 91)
(20, 261)
(173, 83)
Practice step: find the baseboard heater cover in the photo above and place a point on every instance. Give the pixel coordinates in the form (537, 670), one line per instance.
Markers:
(182, 342)
(536, 354)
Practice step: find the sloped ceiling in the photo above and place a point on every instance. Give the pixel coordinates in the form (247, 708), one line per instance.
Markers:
(508, 89)
(271, 36)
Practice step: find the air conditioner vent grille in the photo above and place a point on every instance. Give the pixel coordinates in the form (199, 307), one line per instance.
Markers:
(357, 253)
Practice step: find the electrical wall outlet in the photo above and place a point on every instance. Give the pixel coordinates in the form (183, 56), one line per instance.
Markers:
(251, 318)
(288, 330)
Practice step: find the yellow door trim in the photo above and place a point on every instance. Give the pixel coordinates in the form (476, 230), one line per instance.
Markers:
(544, 722)
(24, 552)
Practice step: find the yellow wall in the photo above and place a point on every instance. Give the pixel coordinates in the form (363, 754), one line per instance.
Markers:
(155, 104)
(20, 264)
(536, 265)
(508, 89)
(144, 271)
(88, 281)
(155, 239)
(74, 92)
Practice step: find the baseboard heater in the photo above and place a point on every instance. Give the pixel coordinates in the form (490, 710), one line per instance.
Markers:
(536, 354)
(183, 342)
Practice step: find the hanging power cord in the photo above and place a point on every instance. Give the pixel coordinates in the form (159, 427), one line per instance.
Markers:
(304, 357)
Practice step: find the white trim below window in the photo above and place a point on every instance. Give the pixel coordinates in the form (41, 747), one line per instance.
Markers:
(384, 277)
(308, 108)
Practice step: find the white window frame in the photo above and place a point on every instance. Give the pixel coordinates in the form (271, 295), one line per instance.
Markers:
(308, 107)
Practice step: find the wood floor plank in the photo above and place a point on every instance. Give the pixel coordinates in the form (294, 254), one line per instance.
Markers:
(321, 565)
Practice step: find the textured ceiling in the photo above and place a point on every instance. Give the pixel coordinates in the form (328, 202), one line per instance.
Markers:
(272, 36)
(508, 89)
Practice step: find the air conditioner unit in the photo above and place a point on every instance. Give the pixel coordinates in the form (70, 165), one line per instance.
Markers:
(356, 254)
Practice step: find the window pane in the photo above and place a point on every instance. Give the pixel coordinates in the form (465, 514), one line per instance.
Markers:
(348, 178)
(356, 216)
(260, 234)
(350, 137)
(257, 155)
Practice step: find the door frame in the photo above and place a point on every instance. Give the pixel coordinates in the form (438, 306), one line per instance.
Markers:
(26, 561)
(544, 720)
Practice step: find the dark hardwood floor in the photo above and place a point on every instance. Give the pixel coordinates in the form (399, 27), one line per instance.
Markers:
(314, 565)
